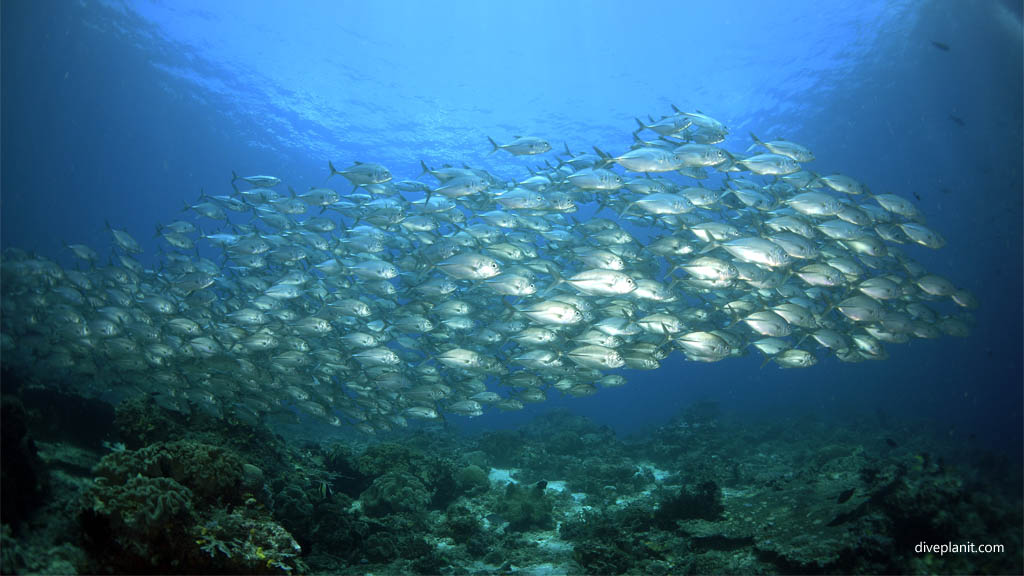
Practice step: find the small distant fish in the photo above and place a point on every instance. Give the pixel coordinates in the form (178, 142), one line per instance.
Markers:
(495, 519)
(941, 45)
(259, 181)
(845, 495)
(325, 491)
(957, 120)
(522, 146)
(487, 291)
(362, 174)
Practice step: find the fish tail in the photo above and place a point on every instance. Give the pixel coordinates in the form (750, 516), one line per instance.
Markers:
(493, 143)
(814, 182)
(675, 280)
(567, 149)
(756, 139)
(710, 247)
(558, 281)
(426, 169)
(831, 305)
(675, 109)
(234, 177)
(641, 126)
(801, 340)
(334, 171)
(425, 360)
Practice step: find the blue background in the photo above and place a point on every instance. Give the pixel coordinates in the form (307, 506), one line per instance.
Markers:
(123, 111)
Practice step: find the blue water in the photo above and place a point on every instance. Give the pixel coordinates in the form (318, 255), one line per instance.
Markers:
(123, 111)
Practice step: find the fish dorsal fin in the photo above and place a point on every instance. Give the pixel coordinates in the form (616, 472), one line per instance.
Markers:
(358, 163)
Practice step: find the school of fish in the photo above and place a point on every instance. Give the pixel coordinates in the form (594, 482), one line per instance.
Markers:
(381, 301)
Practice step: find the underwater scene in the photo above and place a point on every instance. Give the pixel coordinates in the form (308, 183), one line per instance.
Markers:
(481, 287)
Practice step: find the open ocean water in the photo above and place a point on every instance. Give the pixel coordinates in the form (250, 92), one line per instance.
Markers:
(178, 409)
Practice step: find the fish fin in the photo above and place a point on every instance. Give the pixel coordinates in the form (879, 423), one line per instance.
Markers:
(233, 178)
(566, 150)
(641, 125)
(426, 169)
(767, 359)
(334, 170)
(605, 158)
(493, 143)
(756, 140)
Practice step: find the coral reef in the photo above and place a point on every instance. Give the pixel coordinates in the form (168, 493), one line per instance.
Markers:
(705, 494)
(526, 507)
(212, 473)
(140, 523)
(472, 480)
(395, 492)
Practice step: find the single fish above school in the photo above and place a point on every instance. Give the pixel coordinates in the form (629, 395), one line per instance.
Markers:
(458, 291)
